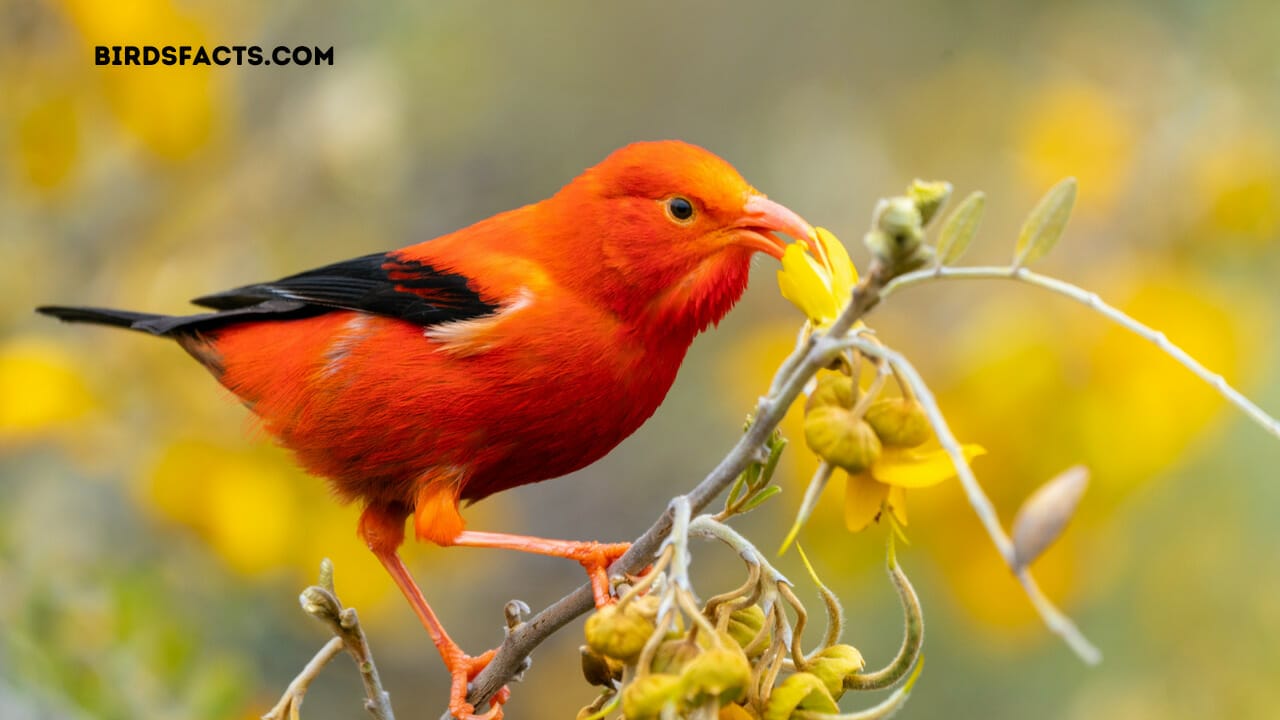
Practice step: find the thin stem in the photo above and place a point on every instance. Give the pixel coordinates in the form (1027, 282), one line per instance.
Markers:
(912, 640)
(1053, 618)
(821, 477)
(1092, 301)
(321, 603)
(291, 702)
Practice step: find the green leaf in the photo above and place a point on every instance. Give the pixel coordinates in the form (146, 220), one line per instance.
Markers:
(1045, 224)
(776, 445)
(960, 227)
(763, 495)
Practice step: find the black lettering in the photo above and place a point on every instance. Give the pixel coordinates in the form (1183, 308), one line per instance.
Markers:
(184, 54)
(131, 53)
(150, 55)
(202, 56)
(170, 55)
(324, 56)
(101, 55)
(239, 50)
(221, 55)
(281, 55)
(255, 55)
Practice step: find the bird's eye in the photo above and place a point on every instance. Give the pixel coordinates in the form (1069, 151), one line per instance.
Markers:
(680, 209)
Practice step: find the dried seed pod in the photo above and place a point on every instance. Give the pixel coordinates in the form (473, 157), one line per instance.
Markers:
(801, 691)
(599, 669)
(899, 422)
(672, 655)
(720, 673)
(838, 438)
(735, 712)
(834, 664)
(745, 624)
(619, 634)
(645, 697)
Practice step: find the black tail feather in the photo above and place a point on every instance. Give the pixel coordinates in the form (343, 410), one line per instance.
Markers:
(103, 316)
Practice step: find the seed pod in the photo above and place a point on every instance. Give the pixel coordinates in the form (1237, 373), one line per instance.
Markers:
(836, 437)
(672, 655)
(835, 390)
(801, 691)
(645, 697)
(834, 664)
(899, 422)
(721, 673)
(745, 624)
(619, 634)
(598, 669)
(734, 712)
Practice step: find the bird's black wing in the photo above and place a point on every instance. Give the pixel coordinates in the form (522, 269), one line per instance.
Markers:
(379, 284)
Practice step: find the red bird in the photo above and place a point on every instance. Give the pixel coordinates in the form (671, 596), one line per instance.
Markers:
(518, 349)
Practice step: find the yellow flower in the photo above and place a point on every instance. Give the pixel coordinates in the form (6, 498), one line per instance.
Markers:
(887, 480)
(820, 286)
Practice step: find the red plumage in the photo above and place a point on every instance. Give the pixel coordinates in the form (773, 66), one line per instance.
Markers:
(515, 350)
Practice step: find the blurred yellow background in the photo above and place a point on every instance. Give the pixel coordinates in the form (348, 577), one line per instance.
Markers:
(152, 542)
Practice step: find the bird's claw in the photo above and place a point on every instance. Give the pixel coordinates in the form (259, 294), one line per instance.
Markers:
(596, 559)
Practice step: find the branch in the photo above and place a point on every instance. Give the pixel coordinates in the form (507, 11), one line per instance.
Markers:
(291, 702)
(1092, 301)
(1053, 618)
(812, 353)
(320, 602)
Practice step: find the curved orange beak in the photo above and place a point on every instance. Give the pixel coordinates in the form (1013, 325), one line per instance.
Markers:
(762, 220)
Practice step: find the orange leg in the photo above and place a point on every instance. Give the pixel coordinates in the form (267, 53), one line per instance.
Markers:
(436, 519)
(383, 530)
(595, 557)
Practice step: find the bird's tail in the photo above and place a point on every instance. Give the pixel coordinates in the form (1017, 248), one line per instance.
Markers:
(143, 322)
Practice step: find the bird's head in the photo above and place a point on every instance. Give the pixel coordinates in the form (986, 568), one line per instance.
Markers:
(670, 229)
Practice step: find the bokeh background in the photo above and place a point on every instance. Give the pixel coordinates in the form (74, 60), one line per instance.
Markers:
(152, 542)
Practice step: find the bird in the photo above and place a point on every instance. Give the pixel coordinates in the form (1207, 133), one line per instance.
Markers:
(515, 350)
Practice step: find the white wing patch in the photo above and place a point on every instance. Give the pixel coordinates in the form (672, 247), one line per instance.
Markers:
(468, 337)
(353, 331)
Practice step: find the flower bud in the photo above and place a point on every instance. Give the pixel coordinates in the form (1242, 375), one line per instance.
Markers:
(801, 691)
(598, 669)
(929, 197)
(745, 624)
(645, 697)
(834, 664)
(619, 634)
(721, 673)
(836, 437)
(899, 218)
(899, 422)
(897, 236)
(835, 390)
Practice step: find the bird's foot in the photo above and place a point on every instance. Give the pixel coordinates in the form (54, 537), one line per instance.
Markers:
(596, 558)
(463, 669)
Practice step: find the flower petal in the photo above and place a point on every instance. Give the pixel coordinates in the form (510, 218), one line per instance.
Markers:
(843, 274)
(806, 284)
(863, 497)
(915, 469)
(898, 504)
